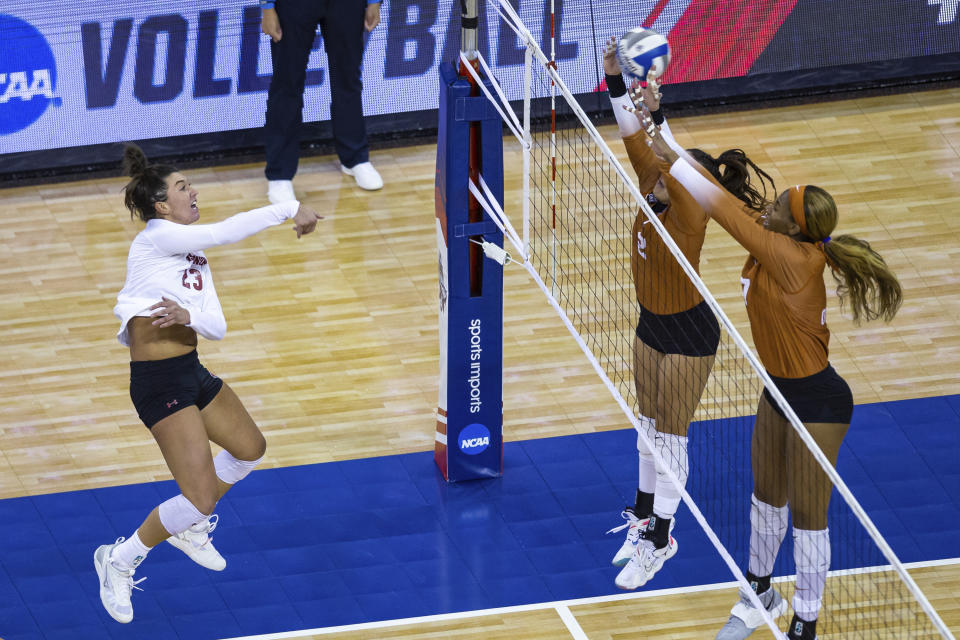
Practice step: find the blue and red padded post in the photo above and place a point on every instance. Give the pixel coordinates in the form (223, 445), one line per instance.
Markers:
(469, 436)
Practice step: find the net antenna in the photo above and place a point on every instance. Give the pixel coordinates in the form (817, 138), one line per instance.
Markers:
(577, 279)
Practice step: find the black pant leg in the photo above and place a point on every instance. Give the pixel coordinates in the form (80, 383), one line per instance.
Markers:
(343, 40)
(281, 131)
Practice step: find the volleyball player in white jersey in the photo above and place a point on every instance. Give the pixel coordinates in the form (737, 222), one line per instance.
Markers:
(168, 299)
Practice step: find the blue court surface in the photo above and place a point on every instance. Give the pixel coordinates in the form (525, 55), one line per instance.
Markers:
(386, 538)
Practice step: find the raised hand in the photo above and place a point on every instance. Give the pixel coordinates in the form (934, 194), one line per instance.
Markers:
(611, 66)
(651, 92)
(655, 139)
(305, 221)
(646, 95)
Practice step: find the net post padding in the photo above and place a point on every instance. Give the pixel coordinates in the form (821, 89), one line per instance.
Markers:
(469, 432)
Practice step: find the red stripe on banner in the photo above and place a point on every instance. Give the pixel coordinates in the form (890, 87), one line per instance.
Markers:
(655, 13)
(723, 38)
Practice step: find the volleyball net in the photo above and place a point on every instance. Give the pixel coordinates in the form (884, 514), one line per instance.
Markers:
(573, 234)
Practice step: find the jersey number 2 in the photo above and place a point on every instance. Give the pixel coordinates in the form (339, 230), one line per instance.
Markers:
(191, 278)
(641, 245)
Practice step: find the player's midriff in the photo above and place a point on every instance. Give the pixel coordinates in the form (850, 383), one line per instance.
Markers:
(148, 342)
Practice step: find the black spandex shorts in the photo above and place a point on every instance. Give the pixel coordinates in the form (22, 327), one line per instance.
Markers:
(160, 388)
(694, 332)
(822, 397)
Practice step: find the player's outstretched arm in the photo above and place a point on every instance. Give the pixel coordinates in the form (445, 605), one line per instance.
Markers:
(617, 89)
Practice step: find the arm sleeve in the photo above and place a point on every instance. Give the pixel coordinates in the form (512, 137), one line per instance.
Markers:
(209, 321)
(209, 324)
(172, 238)
(775, 251)
(690, 216)
(626, 121)
(670, 140)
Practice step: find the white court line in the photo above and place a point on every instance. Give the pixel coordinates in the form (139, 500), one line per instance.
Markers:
(564, 605)
(572, 625)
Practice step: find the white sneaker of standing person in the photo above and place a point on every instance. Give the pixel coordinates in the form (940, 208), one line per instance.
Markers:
(116, 585)
(280, 191)
(197, 543)
(746, 618)
(366, 176)
(644, 563)
(635, 527)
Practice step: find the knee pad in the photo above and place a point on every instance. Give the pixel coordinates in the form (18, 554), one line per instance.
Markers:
(646, 427)
(673, 450)
(768, 519)
(178, 514)
(231, 470)
(811, 550)
(811, 553)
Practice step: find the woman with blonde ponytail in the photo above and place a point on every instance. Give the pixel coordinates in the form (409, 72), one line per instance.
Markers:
(790, 245)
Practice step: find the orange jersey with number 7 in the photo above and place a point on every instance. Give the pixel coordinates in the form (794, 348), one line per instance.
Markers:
(784, 292)
(661, 285)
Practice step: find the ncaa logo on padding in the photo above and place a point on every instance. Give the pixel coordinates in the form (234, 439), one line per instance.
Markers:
(474, 439)
(28, 74)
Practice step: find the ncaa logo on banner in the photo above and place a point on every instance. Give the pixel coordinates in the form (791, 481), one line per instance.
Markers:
(474, 439)
(28, 74)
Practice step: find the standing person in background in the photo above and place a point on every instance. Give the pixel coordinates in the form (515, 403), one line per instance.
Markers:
(167, 300)
(677, 334)
(789, 247)
(292, 27)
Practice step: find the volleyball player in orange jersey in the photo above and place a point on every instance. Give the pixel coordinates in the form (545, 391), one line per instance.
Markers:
(783, 288)
(677, 334)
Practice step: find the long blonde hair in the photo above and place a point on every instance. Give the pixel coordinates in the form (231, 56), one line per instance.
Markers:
(863, 278)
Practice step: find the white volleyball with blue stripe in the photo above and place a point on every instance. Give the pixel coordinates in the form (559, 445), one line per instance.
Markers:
(642, 50)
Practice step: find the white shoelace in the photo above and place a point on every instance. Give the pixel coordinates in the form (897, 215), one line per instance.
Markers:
(126, 581)
(211, 525)
(631, 520)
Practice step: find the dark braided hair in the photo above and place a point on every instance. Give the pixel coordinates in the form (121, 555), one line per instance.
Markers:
(148, 183)
(732, 170)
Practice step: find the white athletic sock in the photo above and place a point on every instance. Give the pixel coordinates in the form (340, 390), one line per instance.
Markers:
(129, 553)
(811, 554)
(647, 481)
(673, 450)
(768, 525)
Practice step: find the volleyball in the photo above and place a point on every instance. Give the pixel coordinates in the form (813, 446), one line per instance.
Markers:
(642, 50)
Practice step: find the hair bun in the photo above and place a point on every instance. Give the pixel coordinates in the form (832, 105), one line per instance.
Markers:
(134, 161)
